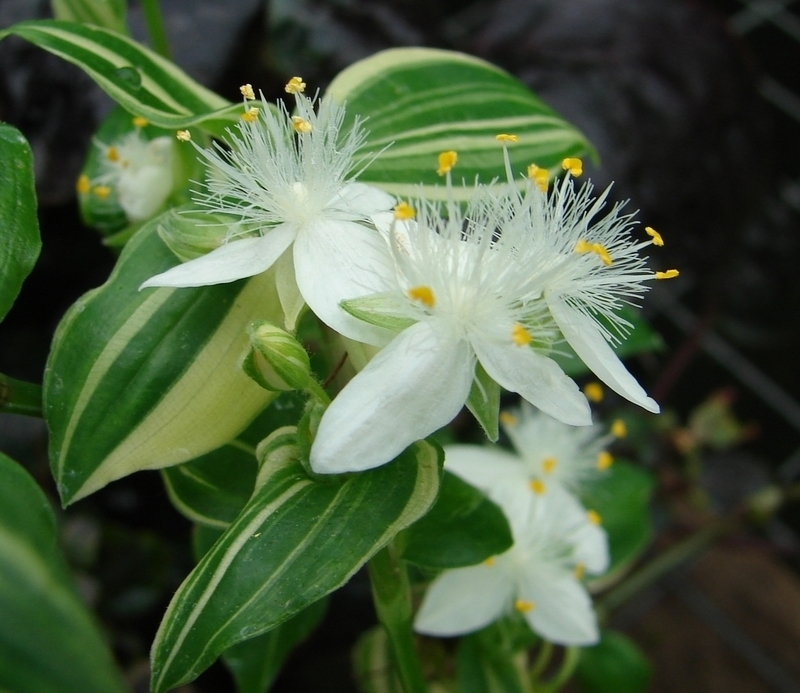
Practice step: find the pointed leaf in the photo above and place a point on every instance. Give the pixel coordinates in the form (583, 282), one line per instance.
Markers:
(484, 402)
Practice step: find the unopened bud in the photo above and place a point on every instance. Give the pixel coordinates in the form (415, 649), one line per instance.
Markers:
(277, 360)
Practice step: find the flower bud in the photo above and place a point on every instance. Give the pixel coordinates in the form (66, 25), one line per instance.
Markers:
(277, 360)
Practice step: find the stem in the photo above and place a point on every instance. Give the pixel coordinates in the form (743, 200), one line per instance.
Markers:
(315, 390)
(19, 397)
(392, 597)
(571, 656)
(542, 660)
(155, 28)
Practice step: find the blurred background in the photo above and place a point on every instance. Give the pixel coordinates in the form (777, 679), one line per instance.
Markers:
(694, 106)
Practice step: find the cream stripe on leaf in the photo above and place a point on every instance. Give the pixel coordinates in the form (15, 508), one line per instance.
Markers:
(295, 541)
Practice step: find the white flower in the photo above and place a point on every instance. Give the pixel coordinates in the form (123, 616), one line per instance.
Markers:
(140, 171)
(540, 576)
(289, 182)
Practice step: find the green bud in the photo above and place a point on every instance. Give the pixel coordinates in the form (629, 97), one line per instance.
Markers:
(277, 361)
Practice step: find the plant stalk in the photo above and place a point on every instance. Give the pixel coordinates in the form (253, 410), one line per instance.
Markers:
(20, 397)
(155, 28)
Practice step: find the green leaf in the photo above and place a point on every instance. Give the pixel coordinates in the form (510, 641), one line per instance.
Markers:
(484, 402)
(18, 223)
(614, 665)
(462, 528)
(296, 540)
(256, 662)
(139, 80)
(622, 499)
(109, 14)
(48, 641)
(423, 101)
(148, 379)
(483, 668)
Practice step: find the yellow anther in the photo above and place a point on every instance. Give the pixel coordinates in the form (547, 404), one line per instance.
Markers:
(540, 176)
(139, 122)
(655, 235)
(524, 606)
(549, 464)
(423, 295)
(101, 191)
(403, 211)
(183, 135)
(506, 138)
(446, 162)
(602, 253)
(246, 90)
(573, 165)
(594, 517)
(250, 115)
(295, 85)
(508, 419)
(593, 392)
(112, 154)
(580, 569)
(604, 460)
(669, 274)
(84, 185)
(489, 561)
(301, 124)
(520, 336)
(583, 246)
(619, 429)
(537, 486)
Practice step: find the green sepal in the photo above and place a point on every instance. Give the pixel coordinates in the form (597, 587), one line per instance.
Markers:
(48, 641)
(484, 402)
(277, 360)
(614, 665)
(462, 528)
(190, 232)
(295, 541)
(388, 310)
(21, 243)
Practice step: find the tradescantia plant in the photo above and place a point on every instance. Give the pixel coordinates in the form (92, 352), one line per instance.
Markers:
(425, 216)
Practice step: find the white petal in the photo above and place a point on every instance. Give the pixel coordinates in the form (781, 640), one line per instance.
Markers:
(143, 191)
(362, 200)
(464, 600)
(337, 260)
(413, 387)
(591, 548)
(537, 378)
(288, 293)
(235, 260)
(592, 348)
(562, 612)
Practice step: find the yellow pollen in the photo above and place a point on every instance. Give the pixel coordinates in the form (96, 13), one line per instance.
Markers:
(102, 191)
(580, 569)
(112, 154)
(669, 274)
(423, 295)
(574, 166)
(489, 561)
(508, 419)
(619, 429)
(602, 253)
(404, 211)
(520, 336)
(604, 460)
(295, 85)
(300, 124)
(250, 115)
(655, 235)
(537, 486)
(540, 176)
(246, 90)
(594, 517)
(139, 122)
(549, 464)
(446, 162)
(506, 138)
(583, 246)
(593, 392)
(183, 135)
(524, 606)
(84, 185)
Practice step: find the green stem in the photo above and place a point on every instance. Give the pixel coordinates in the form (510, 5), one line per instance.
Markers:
(315, 390)
(392, 597)
(155, 28)
(542, 660)
(571, 656)
(19, 397)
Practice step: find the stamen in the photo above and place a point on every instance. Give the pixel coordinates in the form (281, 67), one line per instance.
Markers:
(102, 191)
(600, 251)
(540, 176)
(655, 235)
(583, 246)
(183, 135)
(403, 211)
(300, 124)
(520, 336)
(594, 517)
(295, 85)
(573, 165)
(246, 90)
(112, 154)
(549, 464)
(508, 419)
(537, 486)
(84, 185)
(423, 295)
(619, 429)
(506, 138)
(250, 115)
(139, 122)
(669, 274)
(604, 460)
(446, 162)
(489, 561)
(593, 392)
(580, 569)
(524, 606)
